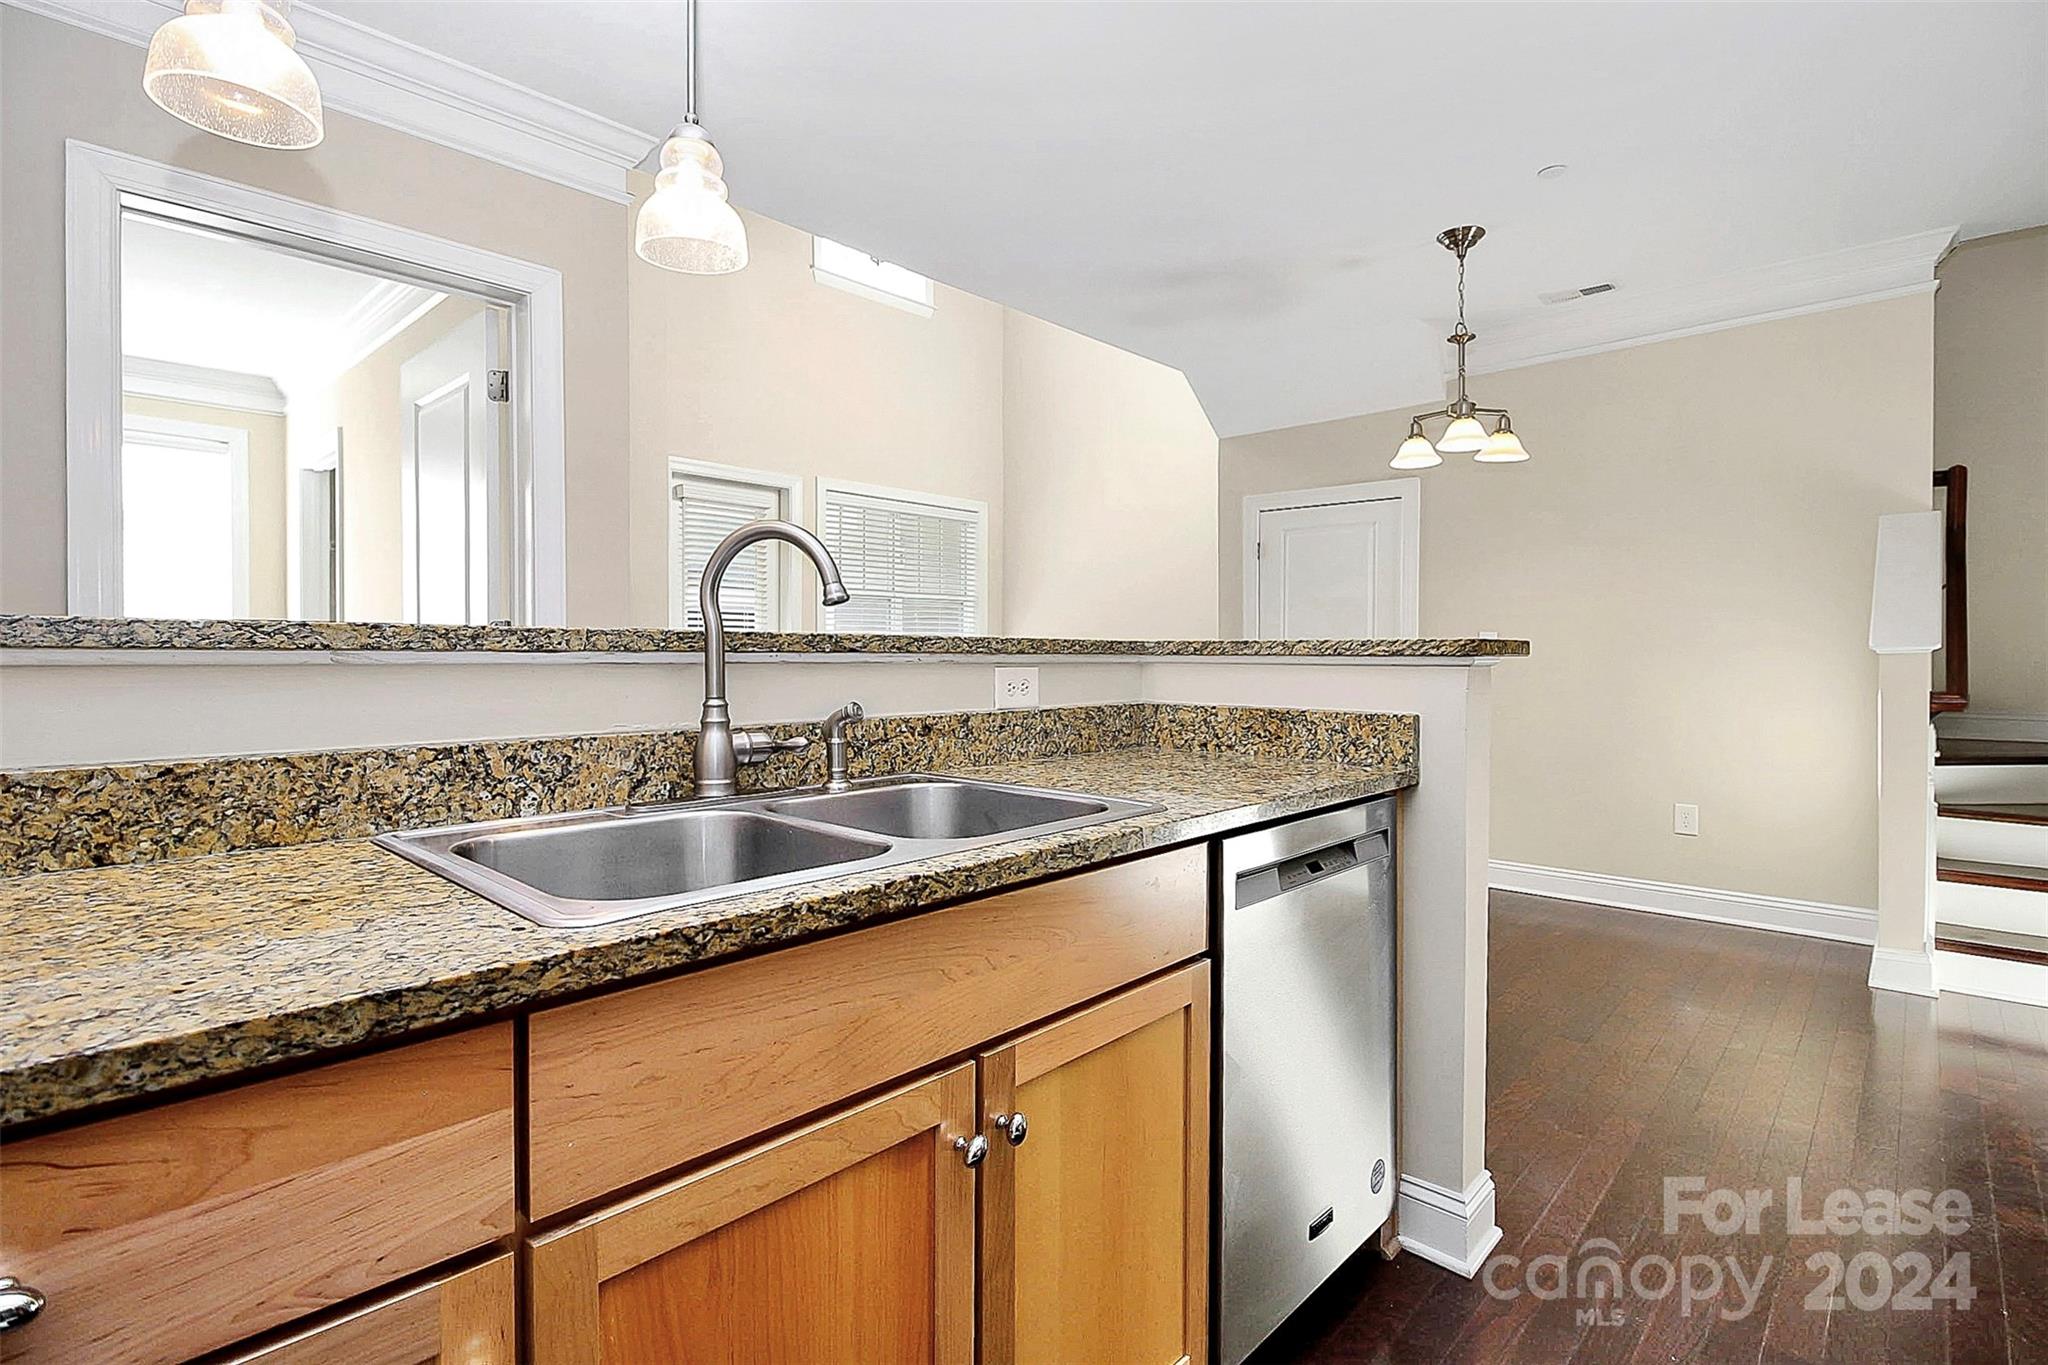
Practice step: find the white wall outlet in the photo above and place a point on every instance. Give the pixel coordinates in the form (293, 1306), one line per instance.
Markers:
(1685, 819)
(1016, 689)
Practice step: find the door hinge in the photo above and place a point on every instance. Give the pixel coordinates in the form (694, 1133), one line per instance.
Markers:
(498, 386)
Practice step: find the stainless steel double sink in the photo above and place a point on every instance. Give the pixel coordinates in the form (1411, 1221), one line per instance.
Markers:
(594, 867)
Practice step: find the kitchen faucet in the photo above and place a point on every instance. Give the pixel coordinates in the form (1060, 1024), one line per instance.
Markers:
(720, 748)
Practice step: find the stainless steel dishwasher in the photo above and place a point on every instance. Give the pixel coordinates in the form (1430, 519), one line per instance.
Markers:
(1308, 1059)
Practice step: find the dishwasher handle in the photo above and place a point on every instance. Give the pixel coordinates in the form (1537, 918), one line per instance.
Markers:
(1305, 869)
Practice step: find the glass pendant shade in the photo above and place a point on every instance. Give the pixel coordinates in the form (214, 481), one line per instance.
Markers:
(1416, 452)
(1503, 447)
(1464, 436)
(686, 224)
(228, 66)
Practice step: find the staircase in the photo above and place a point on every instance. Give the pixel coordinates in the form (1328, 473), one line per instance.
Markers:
(1991, 813)
(1991, 867)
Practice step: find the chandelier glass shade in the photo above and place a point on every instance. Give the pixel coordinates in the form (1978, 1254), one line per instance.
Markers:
(1466, 432)
(1503, 447)
(1416, 452)
(230, 68)
(1464, 436)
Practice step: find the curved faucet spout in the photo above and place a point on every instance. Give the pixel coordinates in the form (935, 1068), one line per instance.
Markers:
(717, 758)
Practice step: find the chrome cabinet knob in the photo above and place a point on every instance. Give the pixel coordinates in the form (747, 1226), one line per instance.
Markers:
(973, 1151)
(19, 1304)
(1014, 1127)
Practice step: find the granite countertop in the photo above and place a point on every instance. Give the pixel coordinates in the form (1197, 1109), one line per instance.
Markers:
(88, 632)
(138, 979)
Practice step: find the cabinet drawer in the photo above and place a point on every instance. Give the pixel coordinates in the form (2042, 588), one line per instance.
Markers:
(161, 1234)
(461, 1319)
(627, 1085)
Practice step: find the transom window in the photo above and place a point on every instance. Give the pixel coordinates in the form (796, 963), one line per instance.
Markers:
(848, 268)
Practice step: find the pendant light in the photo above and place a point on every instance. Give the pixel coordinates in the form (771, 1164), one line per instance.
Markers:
(229, 67)
(686, 224)
(1467, 433)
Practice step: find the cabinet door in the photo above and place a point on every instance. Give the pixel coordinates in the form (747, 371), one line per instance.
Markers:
(851, 1239)
(461, 1319)
(1095, 1227)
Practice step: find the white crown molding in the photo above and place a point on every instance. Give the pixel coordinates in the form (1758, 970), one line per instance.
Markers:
(387, 309)
(1610, 322)
(1814, 919)
(386, 80)
(147, 377)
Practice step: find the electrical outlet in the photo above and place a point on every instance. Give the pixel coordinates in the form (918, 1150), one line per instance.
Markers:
(1685, 819)
(1016, 689)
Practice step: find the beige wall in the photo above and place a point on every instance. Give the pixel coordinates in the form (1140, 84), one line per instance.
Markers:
(266, 432)
(1110, 490)
(1694, 571)
(1991, 414)
(59, 82)
(768, 369)
(1098, 466)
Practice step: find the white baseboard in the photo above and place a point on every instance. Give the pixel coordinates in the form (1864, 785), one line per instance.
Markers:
(1900, 969)
(1814, 919)
(1992, 725)
(1970, 974)
(1449, 1228)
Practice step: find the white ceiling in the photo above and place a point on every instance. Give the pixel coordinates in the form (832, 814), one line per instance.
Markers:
(1250, 191)
(202, 298)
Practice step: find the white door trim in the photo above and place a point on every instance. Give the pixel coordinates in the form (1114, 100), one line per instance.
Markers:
(100, 182)
(1407, 491)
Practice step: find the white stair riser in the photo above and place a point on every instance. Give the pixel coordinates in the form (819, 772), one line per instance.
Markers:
(1992, 907)
(1992, 841)
(1969, 974)
(1990, 783)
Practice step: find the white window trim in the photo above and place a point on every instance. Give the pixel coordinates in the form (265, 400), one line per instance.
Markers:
(100, 183)
(791, 597)
(1407, 491)
(830, 488)
(175, 431)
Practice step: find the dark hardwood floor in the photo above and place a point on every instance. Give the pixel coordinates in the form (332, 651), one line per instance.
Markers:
(1626, 1048)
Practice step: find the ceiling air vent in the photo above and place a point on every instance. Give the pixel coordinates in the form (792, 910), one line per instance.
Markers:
(1567, 295)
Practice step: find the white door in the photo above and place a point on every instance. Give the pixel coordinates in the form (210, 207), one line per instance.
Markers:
(319, 544)
(1332, 571)
(450, 478)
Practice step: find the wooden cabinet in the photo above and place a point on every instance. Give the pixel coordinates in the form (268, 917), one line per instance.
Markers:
(628, 1085)
(851, 1239)
(1094, 1229)
(857, 1238)
(467, 1318)
(172, 1231)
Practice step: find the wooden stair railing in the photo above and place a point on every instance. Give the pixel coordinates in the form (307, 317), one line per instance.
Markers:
(1955, 605)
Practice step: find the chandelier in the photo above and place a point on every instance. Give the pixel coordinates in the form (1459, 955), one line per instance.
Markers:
(1466, 434)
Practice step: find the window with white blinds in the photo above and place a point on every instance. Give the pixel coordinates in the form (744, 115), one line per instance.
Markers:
(703, 510)
(913, 565)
